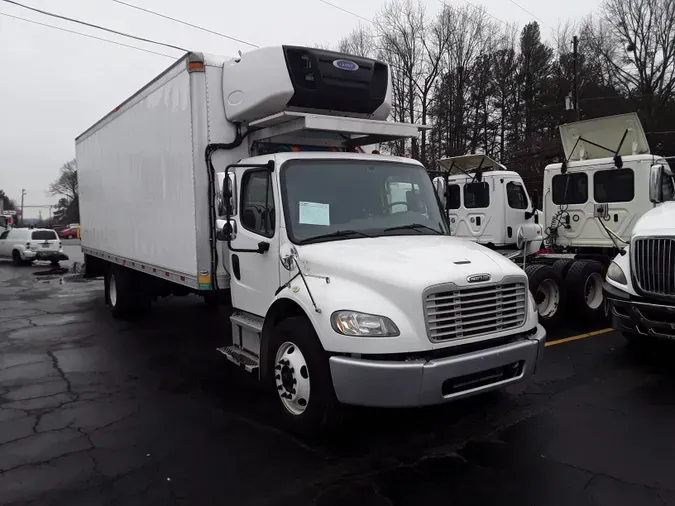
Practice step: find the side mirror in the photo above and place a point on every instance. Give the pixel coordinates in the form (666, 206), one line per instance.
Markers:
(520, 238)
(229, 194)
(656, 183)
(439, 186)
(288, 255)
(228, 232)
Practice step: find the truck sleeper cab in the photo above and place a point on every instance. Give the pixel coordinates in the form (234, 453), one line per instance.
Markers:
(344, 283)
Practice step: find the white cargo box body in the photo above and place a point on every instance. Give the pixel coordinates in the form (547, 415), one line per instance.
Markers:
(143, 178)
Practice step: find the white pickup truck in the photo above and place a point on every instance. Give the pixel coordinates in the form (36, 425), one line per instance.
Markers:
(244, 179)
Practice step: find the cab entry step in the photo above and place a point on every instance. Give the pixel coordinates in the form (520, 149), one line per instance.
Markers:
(241, 357)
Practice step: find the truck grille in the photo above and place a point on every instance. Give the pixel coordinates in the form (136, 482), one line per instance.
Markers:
(652, 265)
(460, 313)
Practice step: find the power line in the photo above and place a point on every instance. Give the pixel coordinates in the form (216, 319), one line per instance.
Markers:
(536, 17)
(343, 10)
(481, 9)
(46, 13)
(87, 35)
(185, 23)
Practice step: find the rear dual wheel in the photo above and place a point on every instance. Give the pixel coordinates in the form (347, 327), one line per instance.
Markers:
(126, 294)
(546, 286)
(584, 282)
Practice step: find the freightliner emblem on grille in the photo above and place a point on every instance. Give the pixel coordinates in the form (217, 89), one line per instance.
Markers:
(478, 278)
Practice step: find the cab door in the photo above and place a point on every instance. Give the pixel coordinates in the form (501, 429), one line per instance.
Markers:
(517, 204)
(253, 250)
(474, 218)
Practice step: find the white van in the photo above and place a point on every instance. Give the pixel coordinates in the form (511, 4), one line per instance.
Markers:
(24, 246)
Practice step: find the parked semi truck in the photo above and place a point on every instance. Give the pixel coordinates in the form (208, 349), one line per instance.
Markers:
(591, 201)
(640, 284)
(237, 178)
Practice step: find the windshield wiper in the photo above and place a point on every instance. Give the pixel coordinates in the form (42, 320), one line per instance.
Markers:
(413, 226)
(339, 233)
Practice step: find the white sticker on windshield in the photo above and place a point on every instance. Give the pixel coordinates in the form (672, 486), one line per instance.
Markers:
(314, 213)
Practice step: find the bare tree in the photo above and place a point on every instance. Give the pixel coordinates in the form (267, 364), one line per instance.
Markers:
(66, 183)
(359, 42)
(637, 41)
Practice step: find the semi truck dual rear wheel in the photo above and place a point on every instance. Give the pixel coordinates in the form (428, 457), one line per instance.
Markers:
(301, 378)
(546, 286)
(125, 294)
(584, 287)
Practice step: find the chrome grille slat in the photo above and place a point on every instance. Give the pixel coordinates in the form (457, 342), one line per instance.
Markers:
(461, 313)
(493, 299)
(652, 265)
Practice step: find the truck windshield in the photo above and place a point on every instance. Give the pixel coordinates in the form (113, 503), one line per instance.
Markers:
(345, 199)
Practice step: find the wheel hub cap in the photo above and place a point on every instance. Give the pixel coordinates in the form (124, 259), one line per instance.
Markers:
(291, 377)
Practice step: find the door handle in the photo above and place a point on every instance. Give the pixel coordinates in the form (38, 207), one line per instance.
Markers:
(263, 247)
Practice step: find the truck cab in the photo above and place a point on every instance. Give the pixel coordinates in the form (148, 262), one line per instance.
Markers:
(486, 202)
(640, 283)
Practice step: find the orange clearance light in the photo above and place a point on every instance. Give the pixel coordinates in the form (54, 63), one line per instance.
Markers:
(195, 66)
(295, 149)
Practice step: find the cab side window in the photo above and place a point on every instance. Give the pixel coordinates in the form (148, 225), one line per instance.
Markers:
(515, 195)
(257, 203)
(4, 235)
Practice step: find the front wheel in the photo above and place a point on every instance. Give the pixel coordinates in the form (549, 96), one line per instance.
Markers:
(301, 378)
(546, 286)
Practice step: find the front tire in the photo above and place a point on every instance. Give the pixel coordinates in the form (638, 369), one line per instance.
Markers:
(547, 288)
(301, 378)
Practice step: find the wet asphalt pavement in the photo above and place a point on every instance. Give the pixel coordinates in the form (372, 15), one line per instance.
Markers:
(99, 412)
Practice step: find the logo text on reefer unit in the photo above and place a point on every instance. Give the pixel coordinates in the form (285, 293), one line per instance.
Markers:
(345, 65)
(478, 278)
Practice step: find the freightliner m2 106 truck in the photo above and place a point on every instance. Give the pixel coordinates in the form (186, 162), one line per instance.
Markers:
(244, 179)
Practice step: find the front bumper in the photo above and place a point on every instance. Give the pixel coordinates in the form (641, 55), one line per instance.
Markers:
(410, 383)
(630, 315)
(45, 255)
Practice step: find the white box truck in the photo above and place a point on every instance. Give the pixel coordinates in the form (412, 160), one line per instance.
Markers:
(242, 178)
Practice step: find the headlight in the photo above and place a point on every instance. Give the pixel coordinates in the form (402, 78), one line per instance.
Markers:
(615, 273)
(353, 323)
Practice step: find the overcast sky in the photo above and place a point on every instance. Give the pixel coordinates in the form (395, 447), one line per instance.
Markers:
(54, 84)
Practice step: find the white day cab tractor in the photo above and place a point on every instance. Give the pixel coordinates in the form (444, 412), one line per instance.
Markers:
(590, 203)
(640, 284)
(237, 181)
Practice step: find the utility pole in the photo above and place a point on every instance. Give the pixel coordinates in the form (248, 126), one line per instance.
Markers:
(23, 192)
(575, 52)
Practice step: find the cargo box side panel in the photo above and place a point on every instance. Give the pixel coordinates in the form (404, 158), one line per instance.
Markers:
(137, 195)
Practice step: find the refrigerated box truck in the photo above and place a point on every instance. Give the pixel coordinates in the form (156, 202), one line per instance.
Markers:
(243, 178)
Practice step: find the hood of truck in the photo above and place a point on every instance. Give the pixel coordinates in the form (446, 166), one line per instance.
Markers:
(659, 221)
(413, 262)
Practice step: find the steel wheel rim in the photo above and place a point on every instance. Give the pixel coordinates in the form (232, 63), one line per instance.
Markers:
(112, 289)
(291, 377)
(593, 291)
(548, 297)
